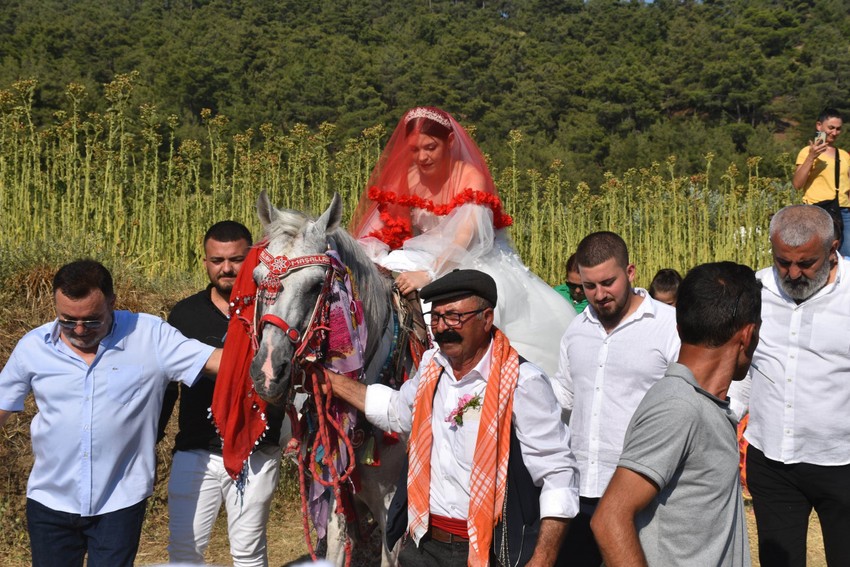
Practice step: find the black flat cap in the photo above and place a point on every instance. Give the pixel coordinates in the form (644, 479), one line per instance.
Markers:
(460, 283)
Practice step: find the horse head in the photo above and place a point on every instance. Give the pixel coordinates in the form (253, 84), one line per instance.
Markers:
(287, 297)
(291, 279)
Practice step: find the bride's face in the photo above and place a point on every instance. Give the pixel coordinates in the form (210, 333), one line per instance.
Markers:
(430, 154)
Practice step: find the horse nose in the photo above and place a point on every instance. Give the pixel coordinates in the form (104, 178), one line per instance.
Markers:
(271, 378)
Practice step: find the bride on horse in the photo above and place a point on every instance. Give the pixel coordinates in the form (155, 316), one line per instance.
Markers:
(432, 206)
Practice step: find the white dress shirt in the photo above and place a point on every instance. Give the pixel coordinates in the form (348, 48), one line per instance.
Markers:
(544, 439)
(602, 377)
(798, 388)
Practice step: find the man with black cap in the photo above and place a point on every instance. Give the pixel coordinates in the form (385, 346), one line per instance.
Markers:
(477, 416)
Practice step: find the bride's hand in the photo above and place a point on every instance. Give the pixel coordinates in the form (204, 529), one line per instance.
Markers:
(408, 282)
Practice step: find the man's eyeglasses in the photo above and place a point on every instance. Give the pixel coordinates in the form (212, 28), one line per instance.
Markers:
(452, 319)
(574, 286)
(71, 324)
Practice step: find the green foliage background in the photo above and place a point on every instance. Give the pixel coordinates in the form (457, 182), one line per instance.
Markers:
(602, 85)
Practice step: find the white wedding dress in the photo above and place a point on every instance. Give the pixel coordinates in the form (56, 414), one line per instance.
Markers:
(531, 314)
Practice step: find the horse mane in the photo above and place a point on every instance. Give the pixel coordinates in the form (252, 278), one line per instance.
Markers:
(287, 225)
(374, 288)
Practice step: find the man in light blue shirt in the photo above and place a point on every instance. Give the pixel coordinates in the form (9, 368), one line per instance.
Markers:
(98, 377)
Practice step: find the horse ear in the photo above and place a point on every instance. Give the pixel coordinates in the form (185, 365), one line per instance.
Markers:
(331, 218)
(265, 210)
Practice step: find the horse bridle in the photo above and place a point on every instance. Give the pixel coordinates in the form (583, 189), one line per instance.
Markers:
(269, 288)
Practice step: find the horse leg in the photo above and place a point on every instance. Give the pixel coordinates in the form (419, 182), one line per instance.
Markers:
(378, 488)
(336, 536)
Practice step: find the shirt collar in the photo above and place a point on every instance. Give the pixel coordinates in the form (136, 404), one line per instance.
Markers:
(683, 372)
(479, 371)
(645, 309)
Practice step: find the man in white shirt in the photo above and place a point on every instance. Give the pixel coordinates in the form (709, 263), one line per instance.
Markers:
(456, 483)
(798, 393)
(611, 354)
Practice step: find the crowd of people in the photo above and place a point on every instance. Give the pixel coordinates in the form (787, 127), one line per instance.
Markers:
(593, 427)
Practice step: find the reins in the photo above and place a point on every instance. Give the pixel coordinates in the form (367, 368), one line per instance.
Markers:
(308, 353)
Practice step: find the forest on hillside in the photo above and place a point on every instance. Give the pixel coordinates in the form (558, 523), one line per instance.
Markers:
(601, 85)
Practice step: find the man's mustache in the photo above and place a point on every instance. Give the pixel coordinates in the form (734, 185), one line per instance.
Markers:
(448, 336)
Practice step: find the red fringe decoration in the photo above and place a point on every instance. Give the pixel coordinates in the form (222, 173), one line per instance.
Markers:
(395, 230)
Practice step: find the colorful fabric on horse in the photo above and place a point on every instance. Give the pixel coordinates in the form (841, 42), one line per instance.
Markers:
(489, 462)
(344, 354)
(238, 412)
(346, 327)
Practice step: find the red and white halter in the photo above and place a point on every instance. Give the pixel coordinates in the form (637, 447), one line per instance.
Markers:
(269, 288)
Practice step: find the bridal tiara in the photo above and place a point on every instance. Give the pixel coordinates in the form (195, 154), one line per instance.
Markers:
(429, 113)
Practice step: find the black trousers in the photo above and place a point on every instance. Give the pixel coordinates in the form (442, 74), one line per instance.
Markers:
(432, 553)
(783, 498)
(579, 548)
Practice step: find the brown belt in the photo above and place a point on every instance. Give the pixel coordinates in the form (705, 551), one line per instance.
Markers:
(445, 537)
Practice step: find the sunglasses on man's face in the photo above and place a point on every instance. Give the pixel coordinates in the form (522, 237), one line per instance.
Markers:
(71, 324)
(574, 286)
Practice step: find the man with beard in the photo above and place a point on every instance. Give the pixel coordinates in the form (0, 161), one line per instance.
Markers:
(199, 483)
(98, 377)
(611, 354)
(477, 414)
(798, 393)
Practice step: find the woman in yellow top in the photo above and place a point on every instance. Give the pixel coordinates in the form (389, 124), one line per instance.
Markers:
(816, 170)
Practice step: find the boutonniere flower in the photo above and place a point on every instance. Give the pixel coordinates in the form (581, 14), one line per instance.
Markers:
(467, 402)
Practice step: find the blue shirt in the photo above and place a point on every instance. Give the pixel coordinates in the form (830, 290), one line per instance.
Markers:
(94, 434)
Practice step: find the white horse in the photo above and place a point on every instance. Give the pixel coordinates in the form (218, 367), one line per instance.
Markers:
(295, 266)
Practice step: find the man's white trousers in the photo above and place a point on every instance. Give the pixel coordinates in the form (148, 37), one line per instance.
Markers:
(196, 490)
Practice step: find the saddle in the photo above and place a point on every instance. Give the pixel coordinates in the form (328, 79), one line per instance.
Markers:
(410, 339)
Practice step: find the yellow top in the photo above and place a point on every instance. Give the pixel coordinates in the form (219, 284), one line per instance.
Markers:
(820, 186)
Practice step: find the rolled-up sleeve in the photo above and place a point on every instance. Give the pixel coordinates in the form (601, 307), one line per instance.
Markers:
(545, 443)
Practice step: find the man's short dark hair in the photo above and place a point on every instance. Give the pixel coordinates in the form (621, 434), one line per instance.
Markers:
(79, 278)
(828, 113)
(228, 231)
(599, 247)
(715, 301)
(666, 280)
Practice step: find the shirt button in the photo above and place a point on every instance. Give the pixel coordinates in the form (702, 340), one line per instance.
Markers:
(787, 405)
(787, 432)
(86, 428)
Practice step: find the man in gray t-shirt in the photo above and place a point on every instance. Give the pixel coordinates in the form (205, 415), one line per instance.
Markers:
(675, 498)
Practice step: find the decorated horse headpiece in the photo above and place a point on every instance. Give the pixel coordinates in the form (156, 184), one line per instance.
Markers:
(337, 316)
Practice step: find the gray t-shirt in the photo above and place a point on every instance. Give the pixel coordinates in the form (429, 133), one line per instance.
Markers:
(684, 440)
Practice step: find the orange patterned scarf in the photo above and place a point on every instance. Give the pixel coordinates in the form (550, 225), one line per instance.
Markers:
(489, 462)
